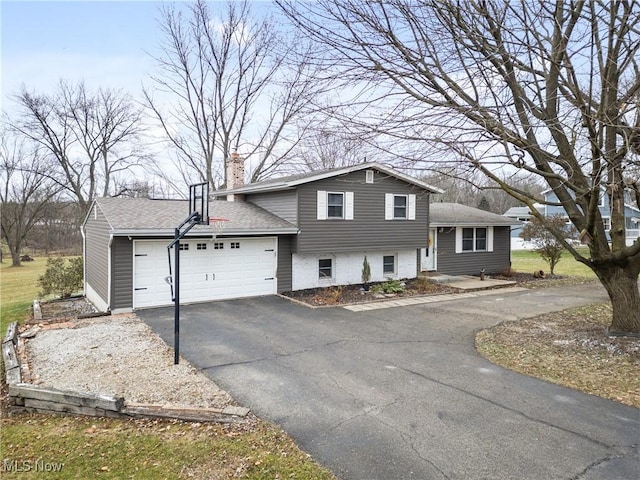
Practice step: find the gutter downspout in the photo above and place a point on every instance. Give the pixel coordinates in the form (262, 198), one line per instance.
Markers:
(109, 245)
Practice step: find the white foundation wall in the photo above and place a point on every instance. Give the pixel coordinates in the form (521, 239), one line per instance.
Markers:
(347, 268)
(95, 299)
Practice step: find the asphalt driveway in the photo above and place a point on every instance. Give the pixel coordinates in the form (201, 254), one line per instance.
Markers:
(401, 393)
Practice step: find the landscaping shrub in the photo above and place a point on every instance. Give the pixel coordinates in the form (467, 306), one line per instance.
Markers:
(62, 278)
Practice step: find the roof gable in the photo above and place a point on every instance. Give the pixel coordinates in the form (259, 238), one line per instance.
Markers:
(289, 182)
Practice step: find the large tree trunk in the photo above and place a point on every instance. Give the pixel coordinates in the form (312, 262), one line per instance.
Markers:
(622, 287)
(15, 258)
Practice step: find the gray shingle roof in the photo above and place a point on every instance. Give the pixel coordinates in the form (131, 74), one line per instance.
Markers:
(283, 183)
(454, 214)
(142, 216)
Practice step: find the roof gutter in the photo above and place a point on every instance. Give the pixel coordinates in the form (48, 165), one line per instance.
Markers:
(152, 232)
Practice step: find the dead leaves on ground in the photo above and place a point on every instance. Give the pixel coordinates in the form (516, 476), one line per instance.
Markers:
(569, 348)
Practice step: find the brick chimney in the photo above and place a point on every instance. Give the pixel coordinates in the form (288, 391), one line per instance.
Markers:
(235, 173)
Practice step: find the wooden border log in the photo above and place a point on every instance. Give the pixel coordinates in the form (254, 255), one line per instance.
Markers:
(9, 356)
(12, 333)
(104, 402)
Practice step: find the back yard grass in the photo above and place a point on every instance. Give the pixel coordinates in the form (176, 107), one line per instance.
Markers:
(85, 447)
(529, 261)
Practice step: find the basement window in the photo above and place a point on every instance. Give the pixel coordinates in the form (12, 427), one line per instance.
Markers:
(325, 268)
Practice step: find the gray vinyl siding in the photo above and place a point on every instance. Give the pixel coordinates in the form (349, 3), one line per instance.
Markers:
(283, 204)
(97, 252)
(285, 279)
(471, 263)
(368, 229)
(122, 273)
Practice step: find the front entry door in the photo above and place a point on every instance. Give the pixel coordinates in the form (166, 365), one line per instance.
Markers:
(428, 255)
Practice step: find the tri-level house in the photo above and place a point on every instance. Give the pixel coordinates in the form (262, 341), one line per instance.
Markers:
(303, 231)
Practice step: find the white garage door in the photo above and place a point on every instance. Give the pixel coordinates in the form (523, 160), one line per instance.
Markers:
(209, 270)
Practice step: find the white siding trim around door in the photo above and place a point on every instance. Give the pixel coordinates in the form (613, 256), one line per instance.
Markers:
(206, 273)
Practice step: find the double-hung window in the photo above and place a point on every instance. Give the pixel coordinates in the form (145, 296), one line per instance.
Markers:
(399, 207)
(474, 239)
(388, 264)
(325, 268)
(334, 205)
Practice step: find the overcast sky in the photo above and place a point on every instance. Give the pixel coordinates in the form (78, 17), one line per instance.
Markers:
(103, 43)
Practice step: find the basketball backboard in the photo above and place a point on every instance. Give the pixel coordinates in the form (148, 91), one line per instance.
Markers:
(199, 202)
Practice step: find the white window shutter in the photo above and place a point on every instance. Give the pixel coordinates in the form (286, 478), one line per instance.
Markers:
(411, 207)
(489, 239)
(348, 200)
(458, 239)
(322, 205)
(388, 206)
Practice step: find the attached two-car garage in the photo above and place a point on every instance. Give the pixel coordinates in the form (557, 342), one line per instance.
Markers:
(215, 269)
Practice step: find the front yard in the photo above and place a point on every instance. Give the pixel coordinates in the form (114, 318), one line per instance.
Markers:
(85, 447)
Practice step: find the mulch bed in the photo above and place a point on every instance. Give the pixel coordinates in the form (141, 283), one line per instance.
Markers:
(66, 309)
(350, 294)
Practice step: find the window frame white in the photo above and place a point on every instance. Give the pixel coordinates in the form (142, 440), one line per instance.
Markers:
(488, 240)
(389, 206)
(394, 257)
(322, 212)
(331, 267)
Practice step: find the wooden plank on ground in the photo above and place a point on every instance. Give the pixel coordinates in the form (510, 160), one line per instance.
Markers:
(104, 402)
(12, 333)
(63, 408)
(9, 356)
(13, 376)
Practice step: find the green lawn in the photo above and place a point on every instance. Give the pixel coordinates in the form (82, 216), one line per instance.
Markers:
(18, 288)
(529, 261)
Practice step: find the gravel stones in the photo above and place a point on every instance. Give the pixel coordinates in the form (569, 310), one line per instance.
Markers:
(120, 356)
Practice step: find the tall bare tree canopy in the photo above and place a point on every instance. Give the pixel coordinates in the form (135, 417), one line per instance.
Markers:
(25, 191)
(92, 137)
(226, 82)
(551, 89)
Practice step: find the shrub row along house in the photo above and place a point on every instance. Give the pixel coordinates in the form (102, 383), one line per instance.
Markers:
(304, 231)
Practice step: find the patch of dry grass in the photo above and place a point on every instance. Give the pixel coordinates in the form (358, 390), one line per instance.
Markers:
(569, 348)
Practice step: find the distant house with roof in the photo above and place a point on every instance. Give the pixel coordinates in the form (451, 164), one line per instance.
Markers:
(631, 213)
(523, 215)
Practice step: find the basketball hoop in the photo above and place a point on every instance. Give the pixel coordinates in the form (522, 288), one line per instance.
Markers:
(217, 224)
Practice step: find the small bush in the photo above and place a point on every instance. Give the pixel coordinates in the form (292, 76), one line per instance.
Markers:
(62, 278)
(423, 285)
(390, 286)
(328, 296)
(366, 271)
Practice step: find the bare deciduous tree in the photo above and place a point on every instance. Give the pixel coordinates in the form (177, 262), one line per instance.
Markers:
(93, 137)
(545, 88)
(226, 83)
(25, 192)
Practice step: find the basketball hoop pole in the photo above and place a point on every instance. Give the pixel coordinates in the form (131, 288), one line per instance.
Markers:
(198, 214)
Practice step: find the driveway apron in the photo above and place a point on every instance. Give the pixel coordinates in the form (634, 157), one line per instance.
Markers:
(401, 393)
